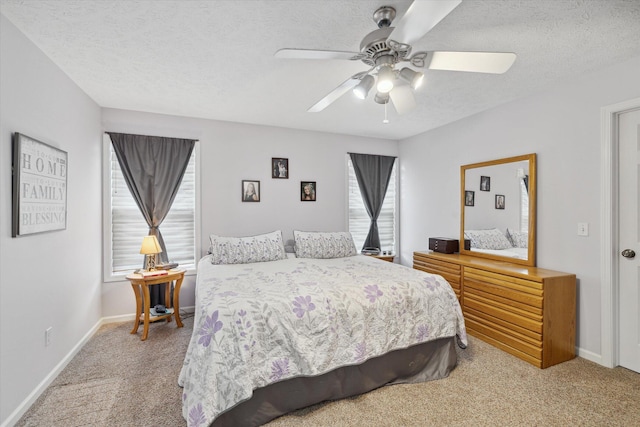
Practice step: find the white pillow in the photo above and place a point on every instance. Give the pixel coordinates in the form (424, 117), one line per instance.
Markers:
(487, 239)
(244, 250)
(519, 239)
(324, 245)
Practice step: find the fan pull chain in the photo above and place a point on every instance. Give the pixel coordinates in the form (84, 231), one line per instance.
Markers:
(386, 120)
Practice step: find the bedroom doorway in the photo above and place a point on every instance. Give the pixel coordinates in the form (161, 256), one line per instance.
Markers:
(620, 320)
(629, 239)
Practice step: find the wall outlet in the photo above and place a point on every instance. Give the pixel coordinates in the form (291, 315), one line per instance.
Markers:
(47, 336)
(583, 229)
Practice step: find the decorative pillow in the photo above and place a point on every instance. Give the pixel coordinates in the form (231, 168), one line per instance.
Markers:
(519, 239)
(487, 239)
(324, 245)
(243, 250)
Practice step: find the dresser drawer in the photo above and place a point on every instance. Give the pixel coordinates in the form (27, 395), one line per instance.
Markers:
(506, 336)
(505, 296)
(535, 361)
(438, 267)
(525, 334)
(521, 286)
(490, 307)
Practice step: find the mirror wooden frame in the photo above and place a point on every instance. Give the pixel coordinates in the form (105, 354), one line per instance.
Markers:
(531, 244)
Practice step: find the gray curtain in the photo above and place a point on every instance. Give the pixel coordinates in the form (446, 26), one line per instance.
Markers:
(153, 168)
(373, 173)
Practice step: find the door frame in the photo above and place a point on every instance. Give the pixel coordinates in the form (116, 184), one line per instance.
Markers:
(609, 245)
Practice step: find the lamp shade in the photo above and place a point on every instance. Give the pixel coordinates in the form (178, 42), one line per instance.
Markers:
(385, 79)
(381, 98)
(364, 86)
(414, 78)
(150, 245)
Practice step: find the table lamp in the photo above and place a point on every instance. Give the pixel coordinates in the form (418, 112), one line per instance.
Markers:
(150, 247)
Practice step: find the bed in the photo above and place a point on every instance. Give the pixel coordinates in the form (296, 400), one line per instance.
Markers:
(518, 253)
(280, 334)
(510, 244)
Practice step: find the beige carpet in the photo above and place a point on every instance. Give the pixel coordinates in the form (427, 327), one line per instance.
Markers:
(118, 380)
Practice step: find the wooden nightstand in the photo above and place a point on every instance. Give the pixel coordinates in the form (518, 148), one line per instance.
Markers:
(140, 285)
(388, 258)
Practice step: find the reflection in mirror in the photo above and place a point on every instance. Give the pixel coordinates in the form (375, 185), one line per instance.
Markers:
(498, 209)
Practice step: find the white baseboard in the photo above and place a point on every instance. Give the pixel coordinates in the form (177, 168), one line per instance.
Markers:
(131, 317)
(590, 356)
(117, 319)
(33, 396)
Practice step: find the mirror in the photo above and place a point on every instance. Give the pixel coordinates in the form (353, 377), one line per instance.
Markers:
(498, 209)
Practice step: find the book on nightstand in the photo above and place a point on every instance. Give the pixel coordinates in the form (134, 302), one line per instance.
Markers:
(167, 266)
(154, 273)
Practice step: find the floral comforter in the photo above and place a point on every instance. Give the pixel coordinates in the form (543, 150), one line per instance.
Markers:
(256, 324)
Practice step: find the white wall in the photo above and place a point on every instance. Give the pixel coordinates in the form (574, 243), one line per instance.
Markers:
(561, 125)
(50, 279)
(231, 152)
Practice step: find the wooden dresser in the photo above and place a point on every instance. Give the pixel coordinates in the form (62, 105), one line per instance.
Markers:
(529, 312)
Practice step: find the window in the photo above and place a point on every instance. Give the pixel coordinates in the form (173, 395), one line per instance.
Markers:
(359, 220)
(524, 207)
(125, 227)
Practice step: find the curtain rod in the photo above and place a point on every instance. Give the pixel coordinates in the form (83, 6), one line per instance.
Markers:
(151, 136)
(366, 154)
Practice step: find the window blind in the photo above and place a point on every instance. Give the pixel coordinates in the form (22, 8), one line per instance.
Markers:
(128, 226)
(524, 207)
(359, 220)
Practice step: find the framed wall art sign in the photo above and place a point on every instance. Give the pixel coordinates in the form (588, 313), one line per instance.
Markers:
(250, 191)
(39, 187)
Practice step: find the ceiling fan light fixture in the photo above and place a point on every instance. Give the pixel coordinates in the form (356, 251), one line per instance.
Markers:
(385, 86)
(382, 98)
(385, 79)
(414, 78)
(362, 89)
(384, 49)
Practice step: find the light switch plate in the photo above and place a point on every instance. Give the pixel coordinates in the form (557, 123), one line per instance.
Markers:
(583, 229)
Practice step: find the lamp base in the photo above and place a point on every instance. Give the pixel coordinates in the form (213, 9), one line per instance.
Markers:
(151, 262)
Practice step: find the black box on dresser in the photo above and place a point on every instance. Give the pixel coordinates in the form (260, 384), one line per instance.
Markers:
(446, 245)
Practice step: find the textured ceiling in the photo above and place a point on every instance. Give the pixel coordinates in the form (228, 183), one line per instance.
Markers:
(214, 59)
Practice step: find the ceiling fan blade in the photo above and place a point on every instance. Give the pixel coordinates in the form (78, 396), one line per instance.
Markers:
(403, 99)
(332, 96)
(317, 54)
(475, 62)
(420, 18)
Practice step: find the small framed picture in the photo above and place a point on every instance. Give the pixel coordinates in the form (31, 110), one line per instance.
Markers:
(308, 191)
(485, 183)
(250, 191)
(469, 198)
(279, 168)
(499, 201)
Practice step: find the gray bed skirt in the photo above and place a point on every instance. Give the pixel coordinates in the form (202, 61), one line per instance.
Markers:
(424, 362)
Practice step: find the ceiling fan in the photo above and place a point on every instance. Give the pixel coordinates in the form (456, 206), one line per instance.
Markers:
(385, 48)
